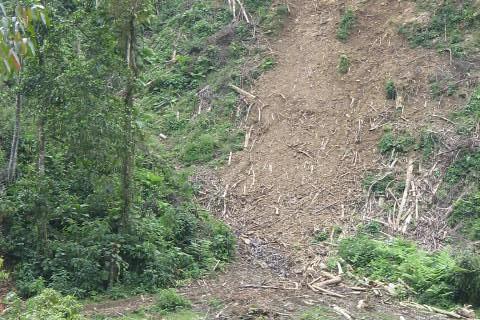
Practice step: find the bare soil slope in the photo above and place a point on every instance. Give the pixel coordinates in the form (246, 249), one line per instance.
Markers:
(314, 133)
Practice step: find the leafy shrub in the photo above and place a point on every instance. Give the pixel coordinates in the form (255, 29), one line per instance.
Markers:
(428, 143)
(48, 305)
(466, 212)
(402, 142)
(347, 21)
(377, 184)
(169, 300)
(434, 278)
(200, 150)
(343, 64)
(467, 281)
(390, 90)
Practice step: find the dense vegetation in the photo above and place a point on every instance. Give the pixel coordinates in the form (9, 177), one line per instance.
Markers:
(433, 278)
(96, 199)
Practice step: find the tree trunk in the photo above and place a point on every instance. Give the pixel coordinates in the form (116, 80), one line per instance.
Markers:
(41, 146)
(12, 162)
(128, 157)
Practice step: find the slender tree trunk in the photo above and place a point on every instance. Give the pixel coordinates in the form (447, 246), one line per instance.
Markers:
(12, 162)
(128, 157)
(41, 146)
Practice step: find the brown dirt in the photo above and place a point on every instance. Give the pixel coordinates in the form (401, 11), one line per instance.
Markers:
(311, 143)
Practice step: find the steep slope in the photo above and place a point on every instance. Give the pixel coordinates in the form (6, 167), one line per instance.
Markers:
(313, 135)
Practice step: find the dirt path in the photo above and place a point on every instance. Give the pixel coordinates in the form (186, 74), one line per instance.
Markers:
(314, 134)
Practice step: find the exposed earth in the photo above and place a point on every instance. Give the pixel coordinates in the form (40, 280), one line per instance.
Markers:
(312, 133)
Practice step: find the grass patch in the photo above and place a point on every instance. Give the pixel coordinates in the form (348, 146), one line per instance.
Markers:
(343, 64)
(347, 22)
(432, 278)
(468, 118)
(449, 26)
(318, 313)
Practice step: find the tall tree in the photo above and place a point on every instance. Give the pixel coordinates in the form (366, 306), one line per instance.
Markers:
(128, 15)
(17, 35)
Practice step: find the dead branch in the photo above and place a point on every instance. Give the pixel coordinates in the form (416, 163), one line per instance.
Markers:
(243, 92)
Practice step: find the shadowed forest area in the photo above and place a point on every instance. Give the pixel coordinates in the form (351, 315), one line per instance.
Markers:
(239, 159)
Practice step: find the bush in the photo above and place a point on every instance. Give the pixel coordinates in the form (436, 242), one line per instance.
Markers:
(390, 90)
(48, 305)
(343, 64)
(433, 278)
(467, 281)
(402, 142)
(200, 150)
(347, 21)
(168, 300)
(466, 212)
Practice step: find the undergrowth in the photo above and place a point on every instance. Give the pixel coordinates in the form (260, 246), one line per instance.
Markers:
(468, 118)
(450, 25)
(433, 278)
(390, 90)
(401, 142)
(48, 305)
(343, 64)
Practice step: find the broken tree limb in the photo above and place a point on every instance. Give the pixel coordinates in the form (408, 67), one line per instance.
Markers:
(242, 92)
(405, 192)
(328, 282)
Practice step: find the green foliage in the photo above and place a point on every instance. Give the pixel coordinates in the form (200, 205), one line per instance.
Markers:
(467, 280)
(465, 169)
(468, 118)
(268, 64)
(428, 144)
(201, 150)
(372, 228)
(48, 305)
(402, 142)
(320, 236)
(390, 90)
(433, 278)
(169, 300)
(3, 273)
(447, 27)
(273, 19)
(466, 212)
(347, 22)
(343, 64)
(377, 184)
